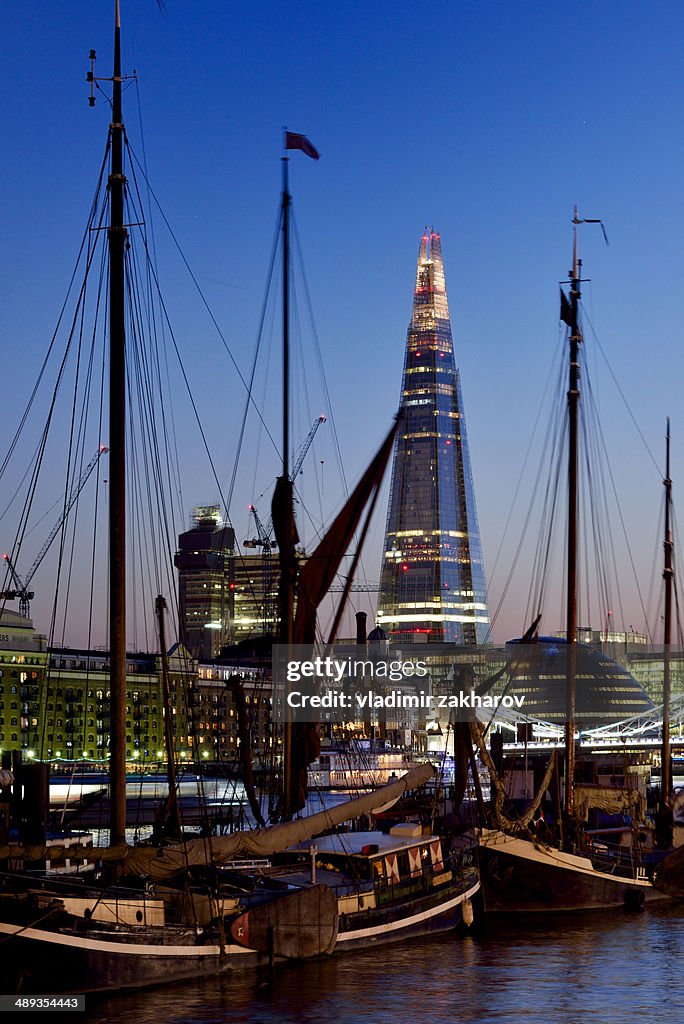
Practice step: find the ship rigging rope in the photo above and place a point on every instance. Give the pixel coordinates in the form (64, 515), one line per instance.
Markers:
(147, 443)
(77, 317)
(586, 319)
(77, 444)
(323, 377)
(225, 500)
(521, 475)
(675, 533)
(249, 400)
(41, 372)
(153, 485)
(72, 470)
(144, 428)
(303, 375)
(319, 358)
(150, 220)
(202, 297)
(40, 453)
(602, 537)
(166, 319)
(605, 463)
(656, 577)
(598, 538)
(549, 522)
(594, 505)
(151, 431)
(656, 580)
(548, 470)
(137, 365)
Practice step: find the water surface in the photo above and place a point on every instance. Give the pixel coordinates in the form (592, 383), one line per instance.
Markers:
(604, 966)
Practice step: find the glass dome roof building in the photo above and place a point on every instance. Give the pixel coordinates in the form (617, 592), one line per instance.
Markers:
(606, 692)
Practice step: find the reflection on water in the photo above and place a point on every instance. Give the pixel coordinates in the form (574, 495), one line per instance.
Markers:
(600, 967)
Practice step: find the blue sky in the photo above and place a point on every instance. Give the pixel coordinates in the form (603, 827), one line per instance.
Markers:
(486, 120)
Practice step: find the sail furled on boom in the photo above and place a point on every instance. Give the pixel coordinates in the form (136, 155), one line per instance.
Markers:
(319, 572)
(315, 580)
(287, 538)
(165, 861)
(282, 511)
(264, 842)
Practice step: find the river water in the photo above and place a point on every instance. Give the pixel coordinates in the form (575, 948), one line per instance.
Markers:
(577, 968)
(604, 966)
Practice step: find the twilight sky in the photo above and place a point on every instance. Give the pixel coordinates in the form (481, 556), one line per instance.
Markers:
(485, 120)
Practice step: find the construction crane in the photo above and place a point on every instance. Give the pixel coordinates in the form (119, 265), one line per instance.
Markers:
(264, 534)
(263, 537)
(263, 541)
(21, 587)
(359, 588)
(305, 447)
(20, 591)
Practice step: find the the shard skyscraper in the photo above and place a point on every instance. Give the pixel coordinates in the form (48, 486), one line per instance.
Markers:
(432, 586)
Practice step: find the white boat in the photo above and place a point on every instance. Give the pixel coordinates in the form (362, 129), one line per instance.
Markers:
(357, 767)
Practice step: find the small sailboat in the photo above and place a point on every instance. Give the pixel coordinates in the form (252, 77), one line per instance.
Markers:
(183, 908)
(524, 871)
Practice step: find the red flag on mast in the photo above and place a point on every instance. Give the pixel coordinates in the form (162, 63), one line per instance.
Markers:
(293, 140)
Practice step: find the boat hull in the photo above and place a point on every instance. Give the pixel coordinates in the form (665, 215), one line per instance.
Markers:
(522, 876)
(40, 960)
(423, 916)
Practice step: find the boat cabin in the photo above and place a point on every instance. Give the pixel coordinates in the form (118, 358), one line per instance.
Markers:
(388, 860)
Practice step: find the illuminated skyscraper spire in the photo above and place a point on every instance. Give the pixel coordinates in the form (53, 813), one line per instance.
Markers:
(433, 582)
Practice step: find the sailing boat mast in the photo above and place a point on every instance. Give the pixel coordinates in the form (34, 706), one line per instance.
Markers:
(666, 763)
(117, 235)
(571, 601)
(286, 550)
(283, 510)
(286, 590)
(172, 815)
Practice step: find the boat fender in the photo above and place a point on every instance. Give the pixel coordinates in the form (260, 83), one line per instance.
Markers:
(634, 899)
(467, 912)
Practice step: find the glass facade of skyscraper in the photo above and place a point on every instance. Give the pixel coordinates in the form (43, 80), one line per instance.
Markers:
(433, 581)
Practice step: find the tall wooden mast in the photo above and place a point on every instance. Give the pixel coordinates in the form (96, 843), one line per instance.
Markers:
(172, 815)
(571, 598)
(117, 459)
(666, 762)
(283, 505)
(286, 553)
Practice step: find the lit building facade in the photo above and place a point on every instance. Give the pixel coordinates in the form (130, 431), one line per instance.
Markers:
(205, 583)
(214, 714)
(75, 700)
(432, 586)
(255, 600)
(54, 702)
(23, 665)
